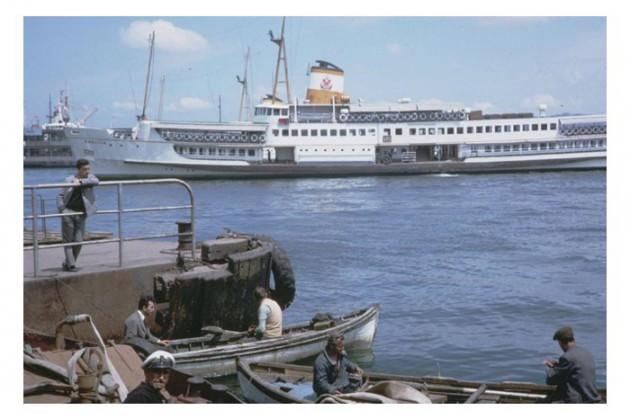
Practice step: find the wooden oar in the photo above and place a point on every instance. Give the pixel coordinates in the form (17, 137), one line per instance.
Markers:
(475, 396)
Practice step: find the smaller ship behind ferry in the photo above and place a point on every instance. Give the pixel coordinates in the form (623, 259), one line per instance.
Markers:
(48, 145)
(327, 134)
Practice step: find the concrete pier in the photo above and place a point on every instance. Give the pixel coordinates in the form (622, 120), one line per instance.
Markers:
(100, 287)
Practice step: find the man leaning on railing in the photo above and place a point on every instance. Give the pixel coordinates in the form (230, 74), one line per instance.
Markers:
(79, 198)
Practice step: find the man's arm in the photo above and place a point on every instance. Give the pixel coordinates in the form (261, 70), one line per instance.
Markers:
(263, 313)
(91, 180)
(559, 373)
(150, 336)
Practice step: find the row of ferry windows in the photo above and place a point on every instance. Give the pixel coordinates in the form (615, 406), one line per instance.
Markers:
(211, 151)
(324, 132)
(271, 111)
(559, 145)
(479, 129)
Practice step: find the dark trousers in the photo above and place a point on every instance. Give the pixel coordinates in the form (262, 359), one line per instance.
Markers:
(72, 230)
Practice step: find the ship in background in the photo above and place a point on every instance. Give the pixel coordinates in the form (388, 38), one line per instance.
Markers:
(327, 134)
(48, 145)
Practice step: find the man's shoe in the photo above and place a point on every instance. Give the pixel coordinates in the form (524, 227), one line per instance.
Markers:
(67, 268)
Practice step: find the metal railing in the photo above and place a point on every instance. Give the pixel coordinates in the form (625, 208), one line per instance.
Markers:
(119, 211)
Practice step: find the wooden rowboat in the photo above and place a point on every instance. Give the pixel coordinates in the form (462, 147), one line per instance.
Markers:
(286, 383)
(208, 356)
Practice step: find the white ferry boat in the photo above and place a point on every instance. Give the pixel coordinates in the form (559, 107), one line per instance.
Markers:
(329, 135)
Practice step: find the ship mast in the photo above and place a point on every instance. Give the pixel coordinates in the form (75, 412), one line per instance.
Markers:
(146, 86)
(244, 91)
(162, 80)
(50, 114)
(282, 56)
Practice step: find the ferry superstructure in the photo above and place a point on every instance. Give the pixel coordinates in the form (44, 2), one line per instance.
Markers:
(327, 134)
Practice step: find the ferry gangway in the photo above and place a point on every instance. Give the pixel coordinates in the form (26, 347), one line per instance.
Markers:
(36, 247)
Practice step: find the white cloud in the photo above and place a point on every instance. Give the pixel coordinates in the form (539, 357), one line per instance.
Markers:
(124, 105)
(394, 48)
(510, 20)
(483, 106)
(168, 37)
(191, 103)
(541, 99)
(434, 103)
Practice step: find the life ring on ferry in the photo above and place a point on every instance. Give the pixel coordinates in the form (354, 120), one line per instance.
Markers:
(343, 117)
(381, 117)
(254, 138)
(394, 117)
(589, 130)
(351, 118)
(439, 116)
(582, 131)
(462, 115)
(414, 116)
(423, 116)
(369, 117)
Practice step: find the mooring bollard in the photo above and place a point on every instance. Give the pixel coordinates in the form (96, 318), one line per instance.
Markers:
(184, 241)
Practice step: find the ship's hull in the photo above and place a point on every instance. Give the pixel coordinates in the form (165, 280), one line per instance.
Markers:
(119, 169)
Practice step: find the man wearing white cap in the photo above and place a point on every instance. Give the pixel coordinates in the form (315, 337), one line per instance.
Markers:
(157, 368)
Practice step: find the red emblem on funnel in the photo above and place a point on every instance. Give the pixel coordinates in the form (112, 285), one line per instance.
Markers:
(326, 84)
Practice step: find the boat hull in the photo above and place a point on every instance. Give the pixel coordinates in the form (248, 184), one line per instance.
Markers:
(358, 331)
(120, 169)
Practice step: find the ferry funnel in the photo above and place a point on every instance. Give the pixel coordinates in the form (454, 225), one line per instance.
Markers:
(326, 82)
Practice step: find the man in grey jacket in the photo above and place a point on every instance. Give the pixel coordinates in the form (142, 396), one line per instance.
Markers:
(135, 325)
(573, 373)
(76, 199)
(330, 372)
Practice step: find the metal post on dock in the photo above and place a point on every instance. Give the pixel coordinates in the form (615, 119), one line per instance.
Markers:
(43, 212)
(120, 236)
(35, 242)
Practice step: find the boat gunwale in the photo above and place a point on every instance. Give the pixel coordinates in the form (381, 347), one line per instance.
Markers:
(260, 346)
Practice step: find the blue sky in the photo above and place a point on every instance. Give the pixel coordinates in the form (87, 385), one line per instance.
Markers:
(494, 64)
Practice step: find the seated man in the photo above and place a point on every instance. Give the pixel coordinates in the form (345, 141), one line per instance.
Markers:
(157, 368)
(330, 372)
(573, 373)
(135, 325)
(269, 316)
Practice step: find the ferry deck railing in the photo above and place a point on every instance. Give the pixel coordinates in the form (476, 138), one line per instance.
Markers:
(36, 247)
